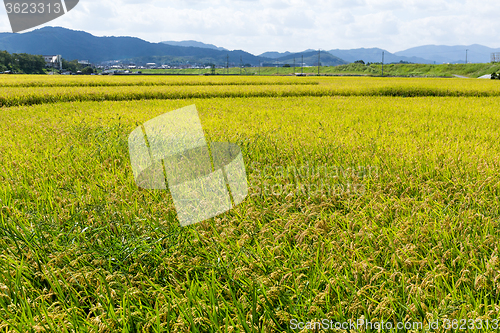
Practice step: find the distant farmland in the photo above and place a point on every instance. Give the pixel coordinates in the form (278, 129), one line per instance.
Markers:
(404, 70)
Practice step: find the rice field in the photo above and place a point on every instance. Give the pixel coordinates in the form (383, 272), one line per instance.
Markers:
(17, 91)
(369, 199)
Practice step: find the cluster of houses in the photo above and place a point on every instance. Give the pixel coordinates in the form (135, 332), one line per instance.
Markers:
(149, 65)
(55, 62)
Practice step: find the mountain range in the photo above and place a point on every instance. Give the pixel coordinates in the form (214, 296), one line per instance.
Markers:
(194, 43)
(375, 55)
(72, 44)
(81, 45)
(310, 58)
(452, 54)
(367, 55)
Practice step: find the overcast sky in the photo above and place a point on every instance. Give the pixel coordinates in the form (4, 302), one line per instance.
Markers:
(257, 26)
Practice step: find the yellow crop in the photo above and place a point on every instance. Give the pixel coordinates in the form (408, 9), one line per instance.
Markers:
(11, 96)
(83, 249)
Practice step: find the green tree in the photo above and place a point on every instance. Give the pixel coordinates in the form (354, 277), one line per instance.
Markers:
(21, 63)
(28, 63)
(88, 70)
(72, 65)
(5, 61)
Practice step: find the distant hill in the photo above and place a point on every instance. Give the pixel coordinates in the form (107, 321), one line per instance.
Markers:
(81, 45)
(427, 54)
(274, 55)
(193, 43)
(375, 55)
(451, 54)
(311, 59)
(72, 44)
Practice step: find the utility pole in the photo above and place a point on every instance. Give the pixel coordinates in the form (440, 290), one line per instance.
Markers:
(241, 63)
(466, 56)
(277, 67)
(259, 66)
(319, 52)
(382, 63)
(302, 66)
(293, 65)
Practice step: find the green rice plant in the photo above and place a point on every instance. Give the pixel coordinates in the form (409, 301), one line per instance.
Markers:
(131, 80)
(83, 249)
(13, 96)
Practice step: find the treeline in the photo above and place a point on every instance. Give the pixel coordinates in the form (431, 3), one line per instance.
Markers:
(21, 63)
(73, 66)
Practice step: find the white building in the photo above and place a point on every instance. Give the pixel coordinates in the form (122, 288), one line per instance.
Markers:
(53, 61)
